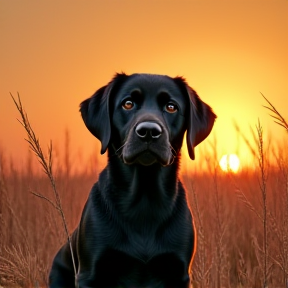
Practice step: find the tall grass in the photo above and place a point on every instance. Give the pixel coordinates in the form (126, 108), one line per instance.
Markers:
(46, 163)
(278, 118)
(233, 249)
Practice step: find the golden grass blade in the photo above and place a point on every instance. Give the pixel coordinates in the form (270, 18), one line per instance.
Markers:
(246, 140)
(47, 164)
(280, 119)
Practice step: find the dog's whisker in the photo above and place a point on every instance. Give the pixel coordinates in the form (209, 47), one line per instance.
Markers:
(172, 160)
(173, 151)
(120, 148)
(117, 150)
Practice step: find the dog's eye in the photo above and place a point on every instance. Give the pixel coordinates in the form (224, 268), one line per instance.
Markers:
(127, 104)
(171, 108)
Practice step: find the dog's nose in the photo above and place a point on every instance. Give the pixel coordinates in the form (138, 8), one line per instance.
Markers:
(148, 130)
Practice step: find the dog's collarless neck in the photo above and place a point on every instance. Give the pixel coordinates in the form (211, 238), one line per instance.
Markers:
(138, 190)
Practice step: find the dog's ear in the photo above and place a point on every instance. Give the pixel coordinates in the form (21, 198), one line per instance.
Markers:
(200, 120)
(95, 111)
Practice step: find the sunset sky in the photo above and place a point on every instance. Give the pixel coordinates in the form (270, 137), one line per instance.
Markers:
(58, 53)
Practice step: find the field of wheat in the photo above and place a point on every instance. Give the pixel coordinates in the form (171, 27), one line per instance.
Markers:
(241, 219)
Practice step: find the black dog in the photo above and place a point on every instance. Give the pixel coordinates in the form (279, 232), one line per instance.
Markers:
(136, 229)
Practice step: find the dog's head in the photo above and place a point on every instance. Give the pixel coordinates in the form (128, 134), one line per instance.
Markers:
(143, 117)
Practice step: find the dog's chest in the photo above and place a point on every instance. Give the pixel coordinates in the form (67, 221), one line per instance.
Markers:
(145, 246)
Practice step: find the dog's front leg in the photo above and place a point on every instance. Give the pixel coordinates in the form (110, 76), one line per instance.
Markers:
(62, 273)
(84, 281)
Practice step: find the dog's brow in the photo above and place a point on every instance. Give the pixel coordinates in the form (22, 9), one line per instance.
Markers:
(164, 93)
(136, 92)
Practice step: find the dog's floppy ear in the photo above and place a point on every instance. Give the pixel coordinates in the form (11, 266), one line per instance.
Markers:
(200, 120)
(95, 111)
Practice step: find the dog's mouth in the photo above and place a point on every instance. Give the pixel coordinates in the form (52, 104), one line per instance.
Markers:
(147, 156)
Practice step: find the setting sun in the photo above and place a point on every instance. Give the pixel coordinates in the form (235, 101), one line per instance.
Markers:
(229, 162)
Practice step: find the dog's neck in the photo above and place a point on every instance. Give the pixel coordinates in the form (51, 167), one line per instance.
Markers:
(142, 193)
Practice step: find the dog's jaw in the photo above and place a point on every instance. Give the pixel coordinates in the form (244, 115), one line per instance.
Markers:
(147, 156)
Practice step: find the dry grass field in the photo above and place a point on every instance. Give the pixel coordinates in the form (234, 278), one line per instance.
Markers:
(241, 219)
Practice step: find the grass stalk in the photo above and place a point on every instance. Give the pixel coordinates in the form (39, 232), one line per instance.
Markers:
(202, 268)
(258, 138)
(2, 193)
(47, 165)
(263, 188)
(279, 119)
(220, 222)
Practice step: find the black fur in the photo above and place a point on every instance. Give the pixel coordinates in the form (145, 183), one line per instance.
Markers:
(136, 228)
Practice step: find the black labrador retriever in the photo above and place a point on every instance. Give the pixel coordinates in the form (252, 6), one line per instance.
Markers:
(136, 229)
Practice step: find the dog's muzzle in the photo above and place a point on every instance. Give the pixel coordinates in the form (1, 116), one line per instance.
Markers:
(146, 144)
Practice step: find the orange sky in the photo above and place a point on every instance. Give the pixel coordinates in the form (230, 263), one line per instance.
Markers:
(57, 53)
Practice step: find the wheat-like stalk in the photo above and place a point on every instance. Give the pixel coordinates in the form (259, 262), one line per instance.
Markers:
(263, 188)
(201, 270)
(47, 165)
(279, 119)
(245, 138)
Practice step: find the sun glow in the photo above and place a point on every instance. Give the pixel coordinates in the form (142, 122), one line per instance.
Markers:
(230, 163)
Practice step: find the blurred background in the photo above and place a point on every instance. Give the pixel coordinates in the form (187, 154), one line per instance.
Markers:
(58, 53)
